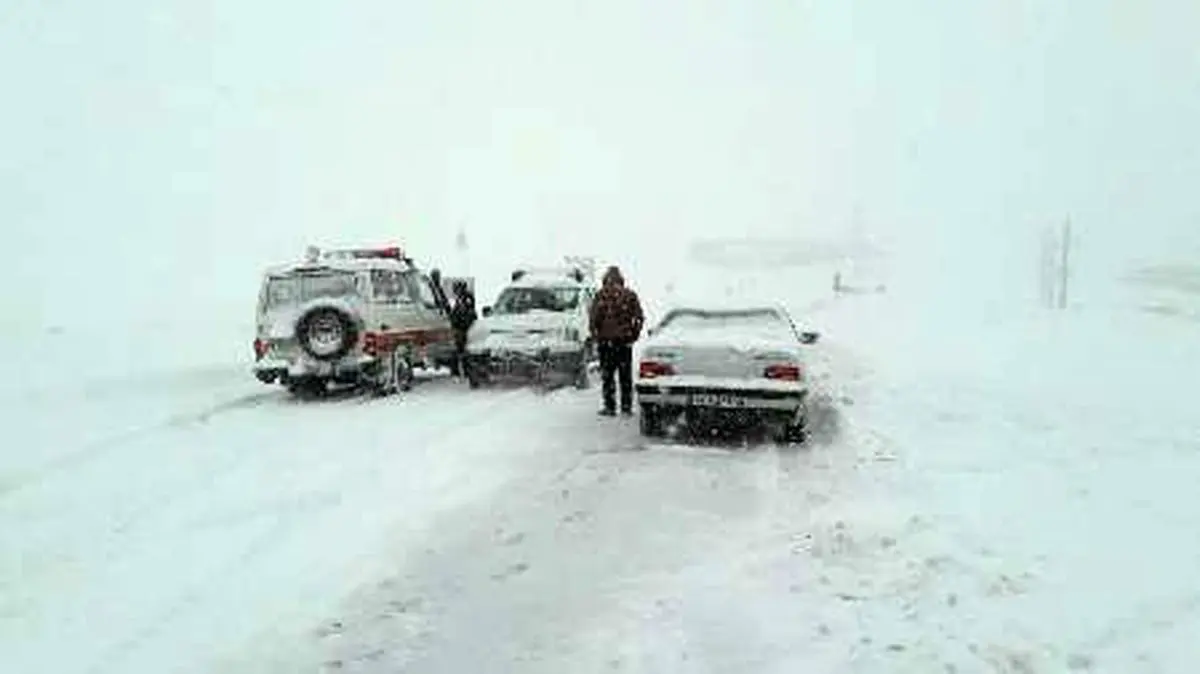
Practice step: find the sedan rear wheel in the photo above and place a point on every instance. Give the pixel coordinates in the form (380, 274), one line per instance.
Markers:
(650, 421)
(308, 388)
(789, 431)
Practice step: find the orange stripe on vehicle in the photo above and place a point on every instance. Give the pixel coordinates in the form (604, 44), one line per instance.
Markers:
(392, 339)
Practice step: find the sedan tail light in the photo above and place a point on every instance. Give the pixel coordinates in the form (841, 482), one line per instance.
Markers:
(649, 369)
(260, 348)
(784, 371)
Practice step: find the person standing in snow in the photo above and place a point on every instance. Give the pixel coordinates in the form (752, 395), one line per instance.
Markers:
(462, 317)
(615, 324)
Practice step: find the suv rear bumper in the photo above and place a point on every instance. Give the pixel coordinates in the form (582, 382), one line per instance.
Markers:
(268, 370)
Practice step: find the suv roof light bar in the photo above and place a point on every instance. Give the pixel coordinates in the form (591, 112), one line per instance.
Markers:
(313, 254)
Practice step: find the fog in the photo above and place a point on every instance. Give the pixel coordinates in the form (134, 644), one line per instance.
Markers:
(157, 155)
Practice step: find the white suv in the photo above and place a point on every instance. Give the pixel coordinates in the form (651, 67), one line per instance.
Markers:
(536, 330)
(363, 317)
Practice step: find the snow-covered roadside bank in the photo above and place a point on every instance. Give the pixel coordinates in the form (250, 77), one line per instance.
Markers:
(1020, 504)
(1010, 496)
(50, 431)
(44, 362)
(77, 387)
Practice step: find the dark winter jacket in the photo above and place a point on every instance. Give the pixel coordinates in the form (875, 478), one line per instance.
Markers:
(462, 314)
(616, 312)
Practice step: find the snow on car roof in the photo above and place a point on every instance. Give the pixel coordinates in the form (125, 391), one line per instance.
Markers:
(752, 334)
(545, 281)
(351, 265)
(719, 307)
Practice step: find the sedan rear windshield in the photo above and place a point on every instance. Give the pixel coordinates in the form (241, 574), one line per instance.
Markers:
(295, 289)
(692, 319)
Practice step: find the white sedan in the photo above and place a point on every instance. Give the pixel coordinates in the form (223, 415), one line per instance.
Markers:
(726, 365)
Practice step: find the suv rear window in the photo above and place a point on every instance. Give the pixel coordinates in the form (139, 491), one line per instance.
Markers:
(299, 288)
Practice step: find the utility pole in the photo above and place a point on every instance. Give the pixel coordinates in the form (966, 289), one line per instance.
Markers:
(1065, 264)
(1047, 274)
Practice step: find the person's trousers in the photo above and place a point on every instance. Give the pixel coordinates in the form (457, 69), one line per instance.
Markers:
(616, 364)
(458, 367)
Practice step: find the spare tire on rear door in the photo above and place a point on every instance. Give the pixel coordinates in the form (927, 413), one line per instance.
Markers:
(326, 333)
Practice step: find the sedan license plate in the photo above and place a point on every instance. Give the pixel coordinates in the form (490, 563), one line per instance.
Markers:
(724, 400)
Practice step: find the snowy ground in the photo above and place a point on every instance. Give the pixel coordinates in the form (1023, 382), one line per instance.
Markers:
(998, 494)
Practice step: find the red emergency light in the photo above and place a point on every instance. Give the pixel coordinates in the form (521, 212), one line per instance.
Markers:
(385, 253)
(389, 252)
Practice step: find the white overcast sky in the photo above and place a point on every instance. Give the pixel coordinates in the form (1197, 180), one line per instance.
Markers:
(152, 150)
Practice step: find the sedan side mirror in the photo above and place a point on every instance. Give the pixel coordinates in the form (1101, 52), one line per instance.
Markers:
(809, 337)
(487, 311)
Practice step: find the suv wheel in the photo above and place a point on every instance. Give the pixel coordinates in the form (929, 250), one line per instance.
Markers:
(395, 374)
(402, 373)
(308, 388)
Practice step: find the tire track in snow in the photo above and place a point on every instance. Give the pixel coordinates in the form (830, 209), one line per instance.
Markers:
(1146, 622)
(481, 410)
(563, 552)
(560, 556)
(233, 461)
(227, 463)
(98, 449)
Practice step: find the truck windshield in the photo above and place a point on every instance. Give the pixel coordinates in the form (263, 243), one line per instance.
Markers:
(297, 288)
(520, 300)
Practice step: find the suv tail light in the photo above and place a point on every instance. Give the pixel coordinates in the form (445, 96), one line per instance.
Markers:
(784, 371)
(649, 369)
(371, 343)
(260, 348)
